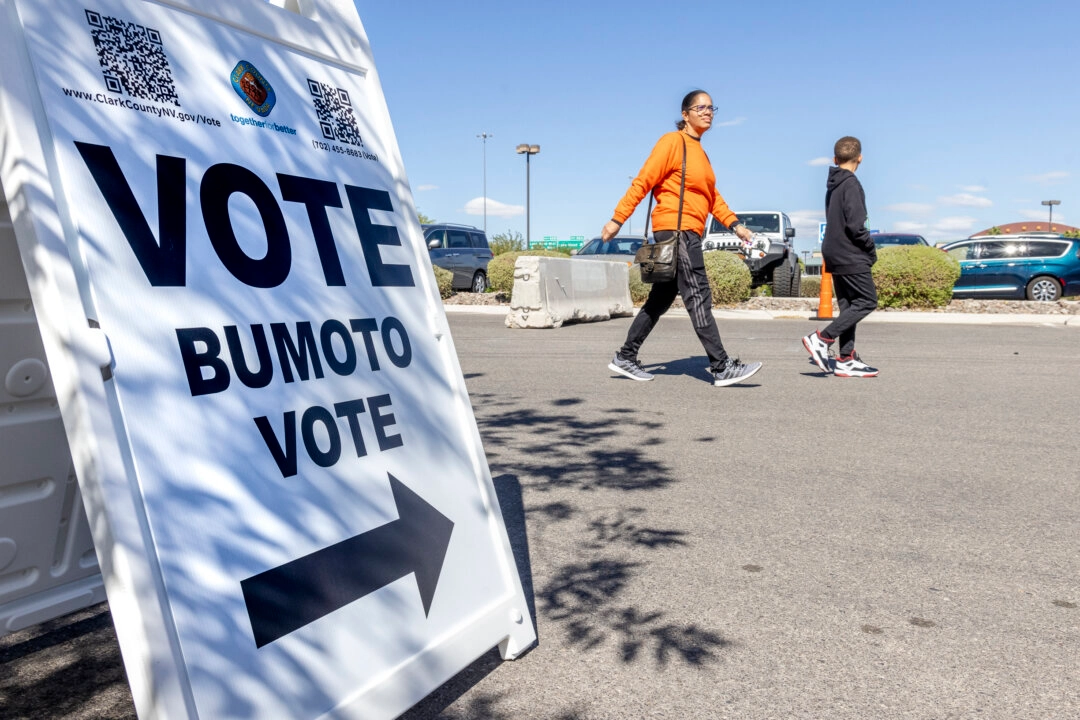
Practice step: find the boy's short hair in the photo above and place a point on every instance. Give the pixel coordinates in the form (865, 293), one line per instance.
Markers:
(847, 149)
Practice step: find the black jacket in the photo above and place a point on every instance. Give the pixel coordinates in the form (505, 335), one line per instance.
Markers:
(847, 248)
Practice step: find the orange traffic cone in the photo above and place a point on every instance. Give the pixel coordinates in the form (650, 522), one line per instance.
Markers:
(824, 310)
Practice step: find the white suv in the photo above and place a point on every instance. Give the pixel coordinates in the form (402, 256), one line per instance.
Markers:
(771, 257)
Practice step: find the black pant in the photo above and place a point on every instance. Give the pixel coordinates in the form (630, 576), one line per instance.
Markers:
(857, 298)
(693, 284)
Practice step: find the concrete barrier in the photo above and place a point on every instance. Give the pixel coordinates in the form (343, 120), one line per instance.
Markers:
(551, 291)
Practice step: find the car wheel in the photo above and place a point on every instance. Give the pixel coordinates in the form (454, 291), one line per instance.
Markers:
(781, 280)
(796, 283)
(1043, 289)
(479, 282)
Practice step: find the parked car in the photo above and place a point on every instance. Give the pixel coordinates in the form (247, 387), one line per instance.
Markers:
(618, 249)
(1036, 267)
(771, 257)
(897, 239)
(461, 249)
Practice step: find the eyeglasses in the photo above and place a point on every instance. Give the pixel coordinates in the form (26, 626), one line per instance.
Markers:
(703, 109)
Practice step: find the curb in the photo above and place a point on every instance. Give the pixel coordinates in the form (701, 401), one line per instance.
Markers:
(1072, 321)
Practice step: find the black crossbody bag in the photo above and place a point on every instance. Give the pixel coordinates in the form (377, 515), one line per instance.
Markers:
(658, 260)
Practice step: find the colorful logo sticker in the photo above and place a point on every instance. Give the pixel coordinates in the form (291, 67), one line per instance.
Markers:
(253, 88)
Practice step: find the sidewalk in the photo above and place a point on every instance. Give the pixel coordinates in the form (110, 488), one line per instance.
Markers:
(879, 316)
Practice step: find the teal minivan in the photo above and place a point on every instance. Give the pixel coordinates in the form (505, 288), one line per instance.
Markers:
(1041, 267)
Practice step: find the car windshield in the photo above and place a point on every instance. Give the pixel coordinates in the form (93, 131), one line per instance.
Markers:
(755, 222)
(614, 246)
(880, 240)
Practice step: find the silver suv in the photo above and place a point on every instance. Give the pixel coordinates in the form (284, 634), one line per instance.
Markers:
(461, 249)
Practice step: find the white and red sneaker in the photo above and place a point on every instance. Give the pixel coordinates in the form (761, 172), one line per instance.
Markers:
(853, 366)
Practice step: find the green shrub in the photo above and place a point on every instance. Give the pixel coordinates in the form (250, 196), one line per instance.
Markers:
(729, 278)
(444, 279)
(639, 290)
(914, 277)
(810, 286)
(509, 241)
(500, 269)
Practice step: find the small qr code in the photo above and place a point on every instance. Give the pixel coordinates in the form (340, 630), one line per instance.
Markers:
(132, 59)
(335, 112)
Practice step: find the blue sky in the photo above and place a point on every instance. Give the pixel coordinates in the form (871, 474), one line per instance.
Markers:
(969, 112)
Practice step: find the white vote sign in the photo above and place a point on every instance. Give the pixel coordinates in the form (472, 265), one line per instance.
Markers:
(287, 489)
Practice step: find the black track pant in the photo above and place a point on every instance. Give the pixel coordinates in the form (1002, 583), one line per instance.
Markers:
(693, 284)
(857, 298)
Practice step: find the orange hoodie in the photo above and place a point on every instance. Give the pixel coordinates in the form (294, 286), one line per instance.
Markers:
(661, 171)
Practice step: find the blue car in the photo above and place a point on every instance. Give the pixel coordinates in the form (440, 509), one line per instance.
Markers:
(1032, 267)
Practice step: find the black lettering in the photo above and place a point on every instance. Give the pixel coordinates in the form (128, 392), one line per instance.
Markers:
(313, 415)
(317, 195)
(329, 329)
(393, 325)
(218, 185)
(289, 354)
(265, 373)
(195, 361)
(367, 326)
(350, 410)
(163, 263)
(284, 457)
(382, 421)
(361, 200)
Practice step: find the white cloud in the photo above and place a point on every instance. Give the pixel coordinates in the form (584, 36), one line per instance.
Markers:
(910, 227)
(911, 208)
(730, 123)
(425, 188)
(973, 188)
(1042, 215)
(820, 162)
(955, 224)
(494, 208)
(1049, 178)
(806, 224)
(965, 200)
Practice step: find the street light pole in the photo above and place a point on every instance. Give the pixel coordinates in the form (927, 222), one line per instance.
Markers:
(483, 137)
(1051, 204)
(527, 150)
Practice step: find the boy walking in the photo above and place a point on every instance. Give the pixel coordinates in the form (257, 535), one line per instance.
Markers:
(849, 253)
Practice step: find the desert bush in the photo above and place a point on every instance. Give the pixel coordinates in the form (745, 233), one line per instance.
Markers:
(729, 278)
(639, 289)
(504, 242)
(500, 269)
(810, 286)
(444, 279)
(914, 277)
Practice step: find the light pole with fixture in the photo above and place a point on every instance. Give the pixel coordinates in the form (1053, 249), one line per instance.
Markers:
(527, 150)
(1050, 204)
(483, 137)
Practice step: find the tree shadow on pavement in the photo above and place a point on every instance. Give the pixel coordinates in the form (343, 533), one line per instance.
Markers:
(65, 668)
(563, 470)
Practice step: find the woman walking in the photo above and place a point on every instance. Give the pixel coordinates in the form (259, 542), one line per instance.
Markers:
(662, 175)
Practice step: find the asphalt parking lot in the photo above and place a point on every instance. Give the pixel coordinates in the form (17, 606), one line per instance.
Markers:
(802, 546)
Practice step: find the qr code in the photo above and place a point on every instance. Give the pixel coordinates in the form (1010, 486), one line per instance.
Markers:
(335, 112)
(132, 59)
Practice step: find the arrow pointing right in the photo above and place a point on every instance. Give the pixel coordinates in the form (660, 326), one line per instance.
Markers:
(290, 596)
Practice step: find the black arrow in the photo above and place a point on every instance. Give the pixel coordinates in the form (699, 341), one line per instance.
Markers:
(299, 592)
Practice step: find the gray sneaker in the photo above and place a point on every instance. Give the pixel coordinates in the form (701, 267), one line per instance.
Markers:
(733, 372)
(629, 368)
